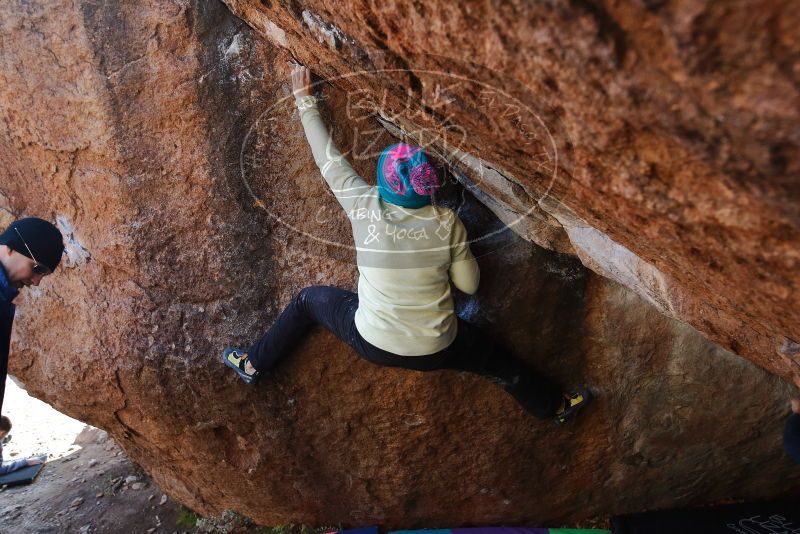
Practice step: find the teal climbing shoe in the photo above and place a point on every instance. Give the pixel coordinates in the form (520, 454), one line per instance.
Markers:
(575, 400)
(236, 359)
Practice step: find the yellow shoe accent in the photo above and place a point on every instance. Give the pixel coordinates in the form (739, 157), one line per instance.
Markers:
(235, 358)
(574, 401)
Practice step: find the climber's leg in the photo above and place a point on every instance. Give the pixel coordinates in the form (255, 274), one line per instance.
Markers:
(474, 352)
(791, 437)
(330, 307)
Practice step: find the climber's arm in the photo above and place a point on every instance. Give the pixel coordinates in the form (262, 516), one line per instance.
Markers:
(343, 180)
(464, 271)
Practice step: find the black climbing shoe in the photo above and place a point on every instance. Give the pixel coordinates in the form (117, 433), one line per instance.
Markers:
(574, 400)
(235, 359)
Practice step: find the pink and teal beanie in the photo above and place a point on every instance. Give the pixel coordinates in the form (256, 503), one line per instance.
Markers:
(405, 177)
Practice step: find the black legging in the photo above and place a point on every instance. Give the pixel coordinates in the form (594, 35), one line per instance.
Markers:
(471, 351)
(791, 437)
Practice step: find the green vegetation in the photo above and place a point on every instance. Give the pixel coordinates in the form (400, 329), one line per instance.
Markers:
(187, 519)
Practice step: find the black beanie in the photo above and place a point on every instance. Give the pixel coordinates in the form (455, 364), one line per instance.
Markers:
(42, 237)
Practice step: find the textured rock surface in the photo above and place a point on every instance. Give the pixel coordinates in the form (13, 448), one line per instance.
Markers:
(157, 135)
(673, 124)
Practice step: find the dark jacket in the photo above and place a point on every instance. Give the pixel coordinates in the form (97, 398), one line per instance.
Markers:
(7, 295)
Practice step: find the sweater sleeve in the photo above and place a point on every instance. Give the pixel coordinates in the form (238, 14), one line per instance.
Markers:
(343, 180)
(464, 271)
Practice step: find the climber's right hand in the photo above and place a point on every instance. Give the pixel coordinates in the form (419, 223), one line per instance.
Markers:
(301, 81)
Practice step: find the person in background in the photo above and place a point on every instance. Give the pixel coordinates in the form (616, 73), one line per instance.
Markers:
(10, 467)
(30, 249)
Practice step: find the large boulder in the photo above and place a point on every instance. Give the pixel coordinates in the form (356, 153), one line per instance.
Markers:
(160, 136)
(661, 135)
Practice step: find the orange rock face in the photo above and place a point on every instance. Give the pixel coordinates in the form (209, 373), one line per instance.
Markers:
(653, 142)
(668, 127)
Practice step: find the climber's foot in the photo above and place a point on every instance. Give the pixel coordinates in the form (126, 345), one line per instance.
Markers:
(574, 400)
(237, 360)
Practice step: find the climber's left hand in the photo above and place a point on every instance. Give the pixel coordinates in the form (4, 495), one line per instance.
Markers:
(301, 81)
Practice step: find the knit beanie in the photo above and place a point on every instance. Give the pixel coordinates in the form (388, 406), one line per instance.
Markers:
(405, 177)
(42, 237)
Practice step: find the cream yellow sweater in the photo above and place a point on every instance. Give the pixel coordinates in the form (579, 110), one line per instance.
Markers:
(406, 257)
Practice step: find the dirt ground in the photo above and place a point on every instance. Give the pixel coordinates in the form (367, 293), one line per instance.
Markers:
(88, 485)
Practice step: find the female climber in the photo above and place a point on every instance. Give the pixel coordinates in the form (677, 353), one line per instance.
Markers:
(408, 251)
